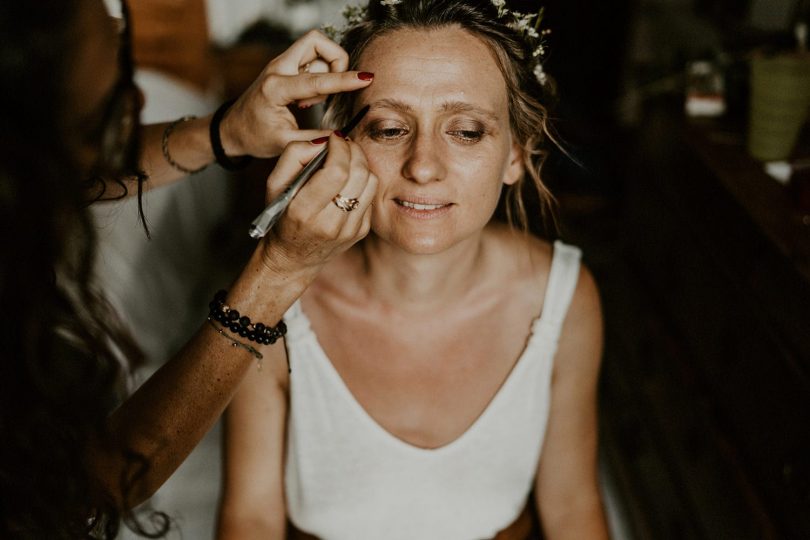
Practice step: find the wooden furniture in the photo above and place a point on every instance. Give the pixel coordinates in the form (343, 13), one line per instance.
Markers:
(706, 388)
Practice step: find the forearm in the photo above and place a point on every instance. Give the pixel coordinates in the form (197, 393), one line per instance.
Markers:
(583, 518)
(188, 145)
(242, 527)
(171, 412)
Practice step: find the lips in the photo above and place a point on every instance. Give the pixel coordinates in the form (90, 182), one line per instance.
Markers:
(420, 206)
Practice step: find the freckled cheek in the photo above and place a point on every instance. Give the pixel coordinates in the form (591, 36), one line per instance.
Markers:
(385, 165)
(484, 185)
(480, 173)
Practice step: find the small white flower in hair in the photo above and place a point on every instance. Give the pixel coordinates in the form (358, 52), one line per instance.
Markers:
(501, 5)
(524, 23)
(354, 15)
(540, 74)
(331, 32)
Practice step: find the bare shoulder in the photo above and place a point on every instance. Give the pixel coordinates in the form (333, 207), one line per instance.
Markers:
(526, 259)
(523, 256)
(581, 337)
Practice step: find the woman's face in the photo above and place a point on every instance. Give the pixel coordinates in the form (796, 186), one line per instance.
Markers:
(437, 136)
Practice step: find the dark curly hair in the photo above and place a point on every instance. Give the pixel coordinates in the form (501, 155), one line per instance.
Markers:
(63, 352)
(528, 99)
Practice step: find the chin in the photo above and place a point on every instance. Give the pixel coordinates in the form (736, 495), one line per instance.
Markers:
(422, 246)
(422, 242)
(424, 237)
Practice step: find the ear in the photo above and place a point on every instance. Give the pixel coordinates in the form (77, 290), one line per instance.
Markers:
(515, 169)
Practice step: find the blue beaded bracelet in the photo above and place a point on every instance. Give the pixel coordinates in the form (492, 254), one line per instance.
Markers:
(241, 324)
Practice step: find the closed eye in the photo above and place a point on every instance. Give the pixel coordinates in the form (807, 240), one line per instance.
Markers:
(466, 135)
(388, 133)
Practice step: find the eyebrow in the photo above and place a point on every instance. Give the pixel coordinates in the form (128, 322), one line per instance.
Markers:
(450, 106)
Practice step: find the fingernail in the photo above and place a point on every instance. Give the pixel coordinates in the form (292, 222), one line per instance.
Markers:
(304, 106)
(320, 140)
(340, 134)
(365, 76)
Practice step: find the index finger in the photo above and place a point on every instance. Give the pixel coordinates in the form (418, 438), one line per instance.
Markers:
(313, 85)
(311, 46)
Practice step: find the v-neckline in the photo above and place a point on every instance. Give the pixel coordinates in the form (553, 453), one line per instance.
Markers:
(397, 442)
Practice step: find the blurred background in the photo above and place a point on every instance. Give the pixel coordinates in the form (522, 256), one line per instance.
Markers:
(685, 181)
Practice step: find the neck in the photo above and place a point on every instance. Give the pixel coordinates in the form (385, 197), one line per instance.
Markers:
(420, 282)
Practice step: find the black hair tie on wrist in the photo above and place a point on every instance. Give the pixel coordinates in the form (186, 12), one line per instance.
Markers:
(223, 160)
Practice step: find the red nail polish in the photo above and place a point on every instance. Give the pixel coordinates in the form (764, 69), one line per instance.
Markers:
(365, 76)
(320, 140)
(340, 134)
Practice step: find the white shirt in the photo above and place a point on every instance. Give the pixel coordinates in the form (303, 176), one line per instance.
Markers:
(348, 478)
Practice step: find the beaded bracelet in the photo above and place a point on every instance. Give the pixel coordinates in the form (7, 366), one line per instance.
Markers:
(216, 141)
(241, 324)
(236, 343)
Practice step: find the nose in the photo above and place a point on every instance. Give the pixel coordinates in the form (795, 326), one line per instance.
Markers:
(424, 163)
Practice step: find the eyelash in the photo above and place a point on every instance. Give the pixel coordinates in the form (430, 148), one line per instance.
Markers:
(386, 134)
(467, 136)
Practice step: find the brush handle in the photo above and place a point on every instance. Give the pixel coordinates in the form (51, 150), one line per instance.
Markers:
(271, 214)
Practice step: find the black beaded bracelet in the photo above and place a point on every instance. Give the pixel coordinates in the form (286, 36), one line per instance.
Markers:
(241, 324)
(216, 141)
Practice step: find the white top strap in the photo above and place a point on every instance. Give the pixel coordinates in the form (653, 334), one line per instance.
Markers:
(562, 282)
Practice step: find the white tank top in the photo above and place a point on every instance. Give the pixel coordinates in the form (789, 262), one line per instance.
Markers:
(347, 478)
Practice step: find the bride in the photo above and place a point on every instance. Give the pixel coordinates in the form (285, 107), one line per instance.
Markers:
(444, 368)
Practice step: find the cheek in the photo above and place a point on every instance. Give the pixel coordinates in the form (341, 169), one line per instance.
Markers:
(386, 164)
(482, 175)
(489, 192)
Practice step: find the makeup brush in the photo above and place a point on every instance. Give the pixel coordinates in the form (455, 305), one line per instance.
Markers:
(271, 214)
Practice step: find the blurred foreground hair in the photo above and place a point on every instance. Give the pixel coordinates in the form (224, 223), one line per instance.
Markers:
(63, 352)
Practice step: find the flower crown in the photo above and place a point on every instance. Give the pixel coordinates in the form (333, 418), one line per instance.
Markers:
(526, 24)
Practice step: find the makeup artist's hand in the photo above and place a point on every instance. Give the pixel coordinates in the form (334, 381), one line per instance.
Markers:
(314, 229)
(259, 123)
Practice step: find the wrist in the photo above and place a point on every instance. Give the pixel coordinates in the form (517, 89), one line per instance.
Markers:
(269, 285)
(231, 143)
(226, 150)
(279, 264)
(188, 136)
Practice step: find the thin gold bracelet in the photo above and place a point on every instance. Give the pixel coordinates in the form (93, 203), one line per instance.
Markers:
(164, 145)
(237, 343)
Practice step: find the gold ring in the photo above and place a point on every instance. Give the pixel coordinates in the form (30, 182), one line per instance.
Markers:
(345, 204)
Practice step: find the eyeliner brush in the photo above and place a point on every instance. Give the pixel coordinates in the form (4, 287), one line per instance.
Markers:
(271, 214)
